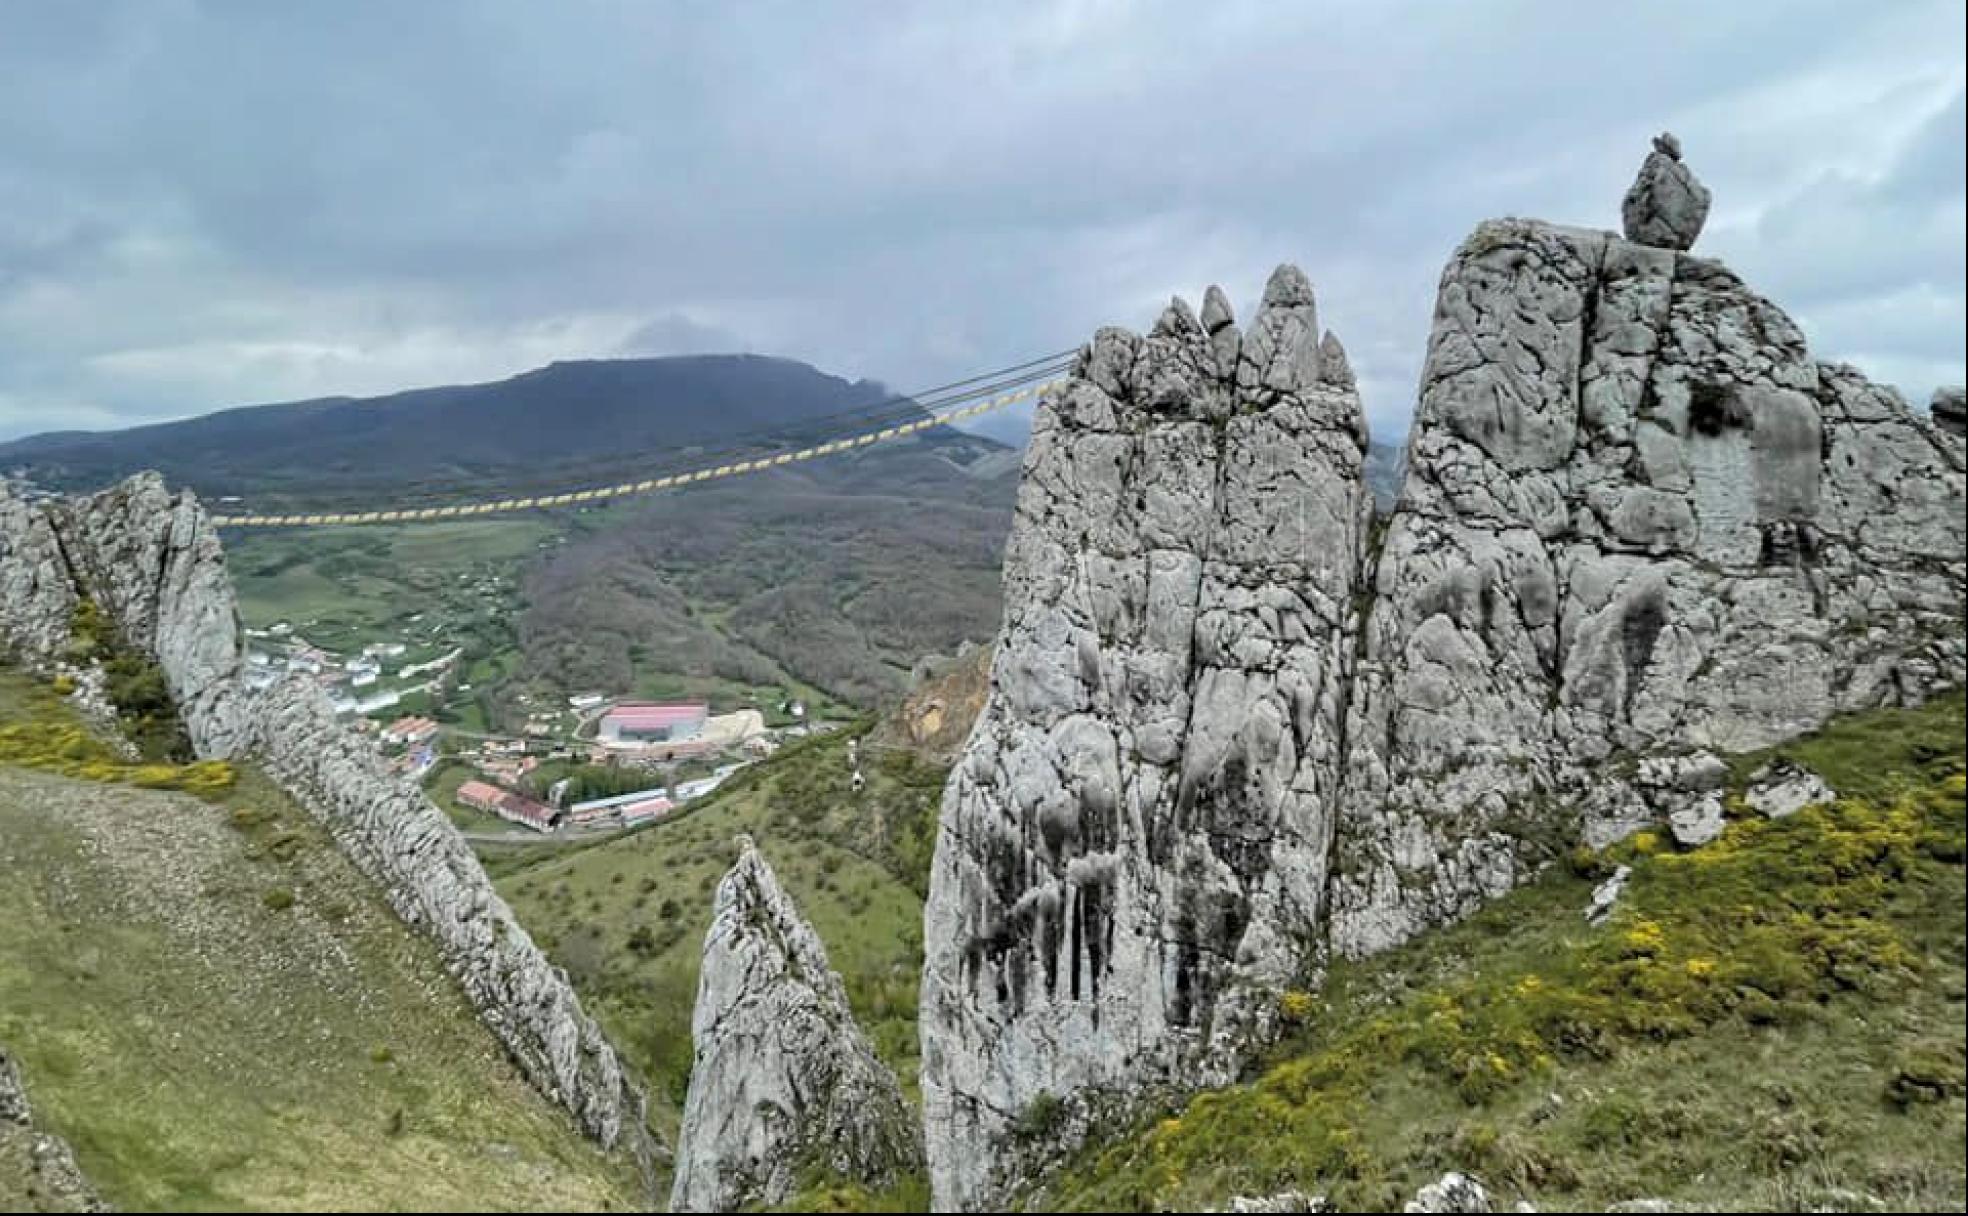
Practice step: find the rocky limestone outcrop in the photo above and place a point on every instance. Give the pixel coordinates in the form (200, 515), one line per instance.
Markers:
(1666, 205)
(37, 1168)
(1452, 1192)
(783, 1079)
(1784, 787)
(1642, 527)
(1132, 849)
(1606, 896)
(152, 562)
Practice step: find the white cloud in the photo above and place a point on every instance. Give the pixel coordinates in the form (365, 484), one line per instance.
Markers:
(202, 207)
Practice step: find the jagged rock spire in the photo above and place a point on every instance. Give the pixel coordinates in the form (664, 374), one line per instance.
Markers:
(1134, 842)
(1666, 205)
(783, 1079)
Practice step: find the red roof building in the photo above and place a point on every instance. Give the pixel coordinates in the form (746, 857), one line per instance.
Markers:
(649, 722)
(515, 808)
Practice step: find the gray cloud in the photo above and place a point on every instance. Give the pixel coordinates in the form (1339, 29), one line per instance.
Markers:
(206, 204)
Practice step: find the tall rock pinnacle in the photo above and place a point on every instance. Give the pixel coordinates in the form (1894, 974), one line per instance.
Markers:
(783, 1078)
(1640, 521)
(1132, 850)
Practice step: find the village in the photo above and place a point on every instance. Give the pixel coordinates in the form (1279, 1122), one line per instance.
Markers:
(590, 763)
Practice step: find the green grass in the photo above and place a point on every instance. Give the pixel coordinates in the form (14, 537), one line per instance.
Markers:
(857, 865)
(1764, 1021)
(364, 579)
(38, 731)
(218, 1013)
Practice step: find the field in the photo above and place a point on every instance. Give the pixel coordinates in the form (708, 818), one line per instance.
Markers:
(435, 586)
(218, 1013)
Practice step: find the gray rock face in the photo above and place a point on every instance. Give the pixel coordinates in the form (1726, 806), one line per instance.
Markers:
(1605, 896)
(1666, 205)
(1949, 409)
(1782, 787)
(39, 1162)
(783, 1077)
(1452, 1192)
(1641, 529)
(1639, 520)
(152, 561)
(1135, 839)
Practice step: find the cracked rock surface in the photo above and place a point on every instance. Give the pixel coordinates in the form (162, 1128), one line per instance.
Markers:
(1640, 520)
(783, 1078)
(151, 561)
(1667, 205)
(1135, 838)
(1641, 529)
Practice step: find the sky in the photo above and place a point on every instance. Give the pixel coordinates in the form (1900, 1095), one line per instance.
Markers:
(214, 204)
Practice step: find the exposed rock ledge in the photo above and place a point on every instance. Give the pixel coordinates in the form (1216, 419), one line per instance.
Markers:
(783, 1079)
(152, 561)
(39, 1163)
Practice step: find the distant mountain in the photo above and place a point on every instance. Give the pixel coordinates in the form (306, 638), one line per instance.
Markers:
(567, 419)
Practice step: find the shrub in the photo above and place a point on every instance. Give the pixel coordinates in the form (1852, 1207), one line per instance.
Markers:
(1041, 1117)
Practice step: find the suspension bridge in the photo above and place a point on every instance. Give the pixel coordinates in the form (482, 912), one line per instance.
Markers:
(879, 422)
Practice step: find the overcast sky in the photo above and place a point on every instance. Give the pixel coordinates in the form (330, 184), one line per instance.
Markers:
(207, 204)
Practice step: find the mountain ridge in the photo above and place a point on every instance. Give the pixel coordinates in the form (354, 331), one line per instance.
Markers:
(563, 416)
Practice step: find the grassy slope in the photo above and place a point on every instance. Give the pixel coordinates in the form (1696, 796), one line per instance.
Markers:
(218, 1013)
(369, 577)
(627, 917)
(1764, 1021)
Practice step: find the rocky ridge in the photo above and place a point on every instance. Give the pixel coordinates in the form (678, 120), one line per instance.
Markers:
(1132, 849)
(783, 1079)
(152, 562)
(1640, 528)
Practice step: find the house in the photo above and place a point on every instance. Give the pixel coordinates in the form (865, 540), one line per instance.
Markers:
(411, 730)
(594, 805)
(586, 700)
(514, 808)
(637, 722)
(647, 809)
(625, 809)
